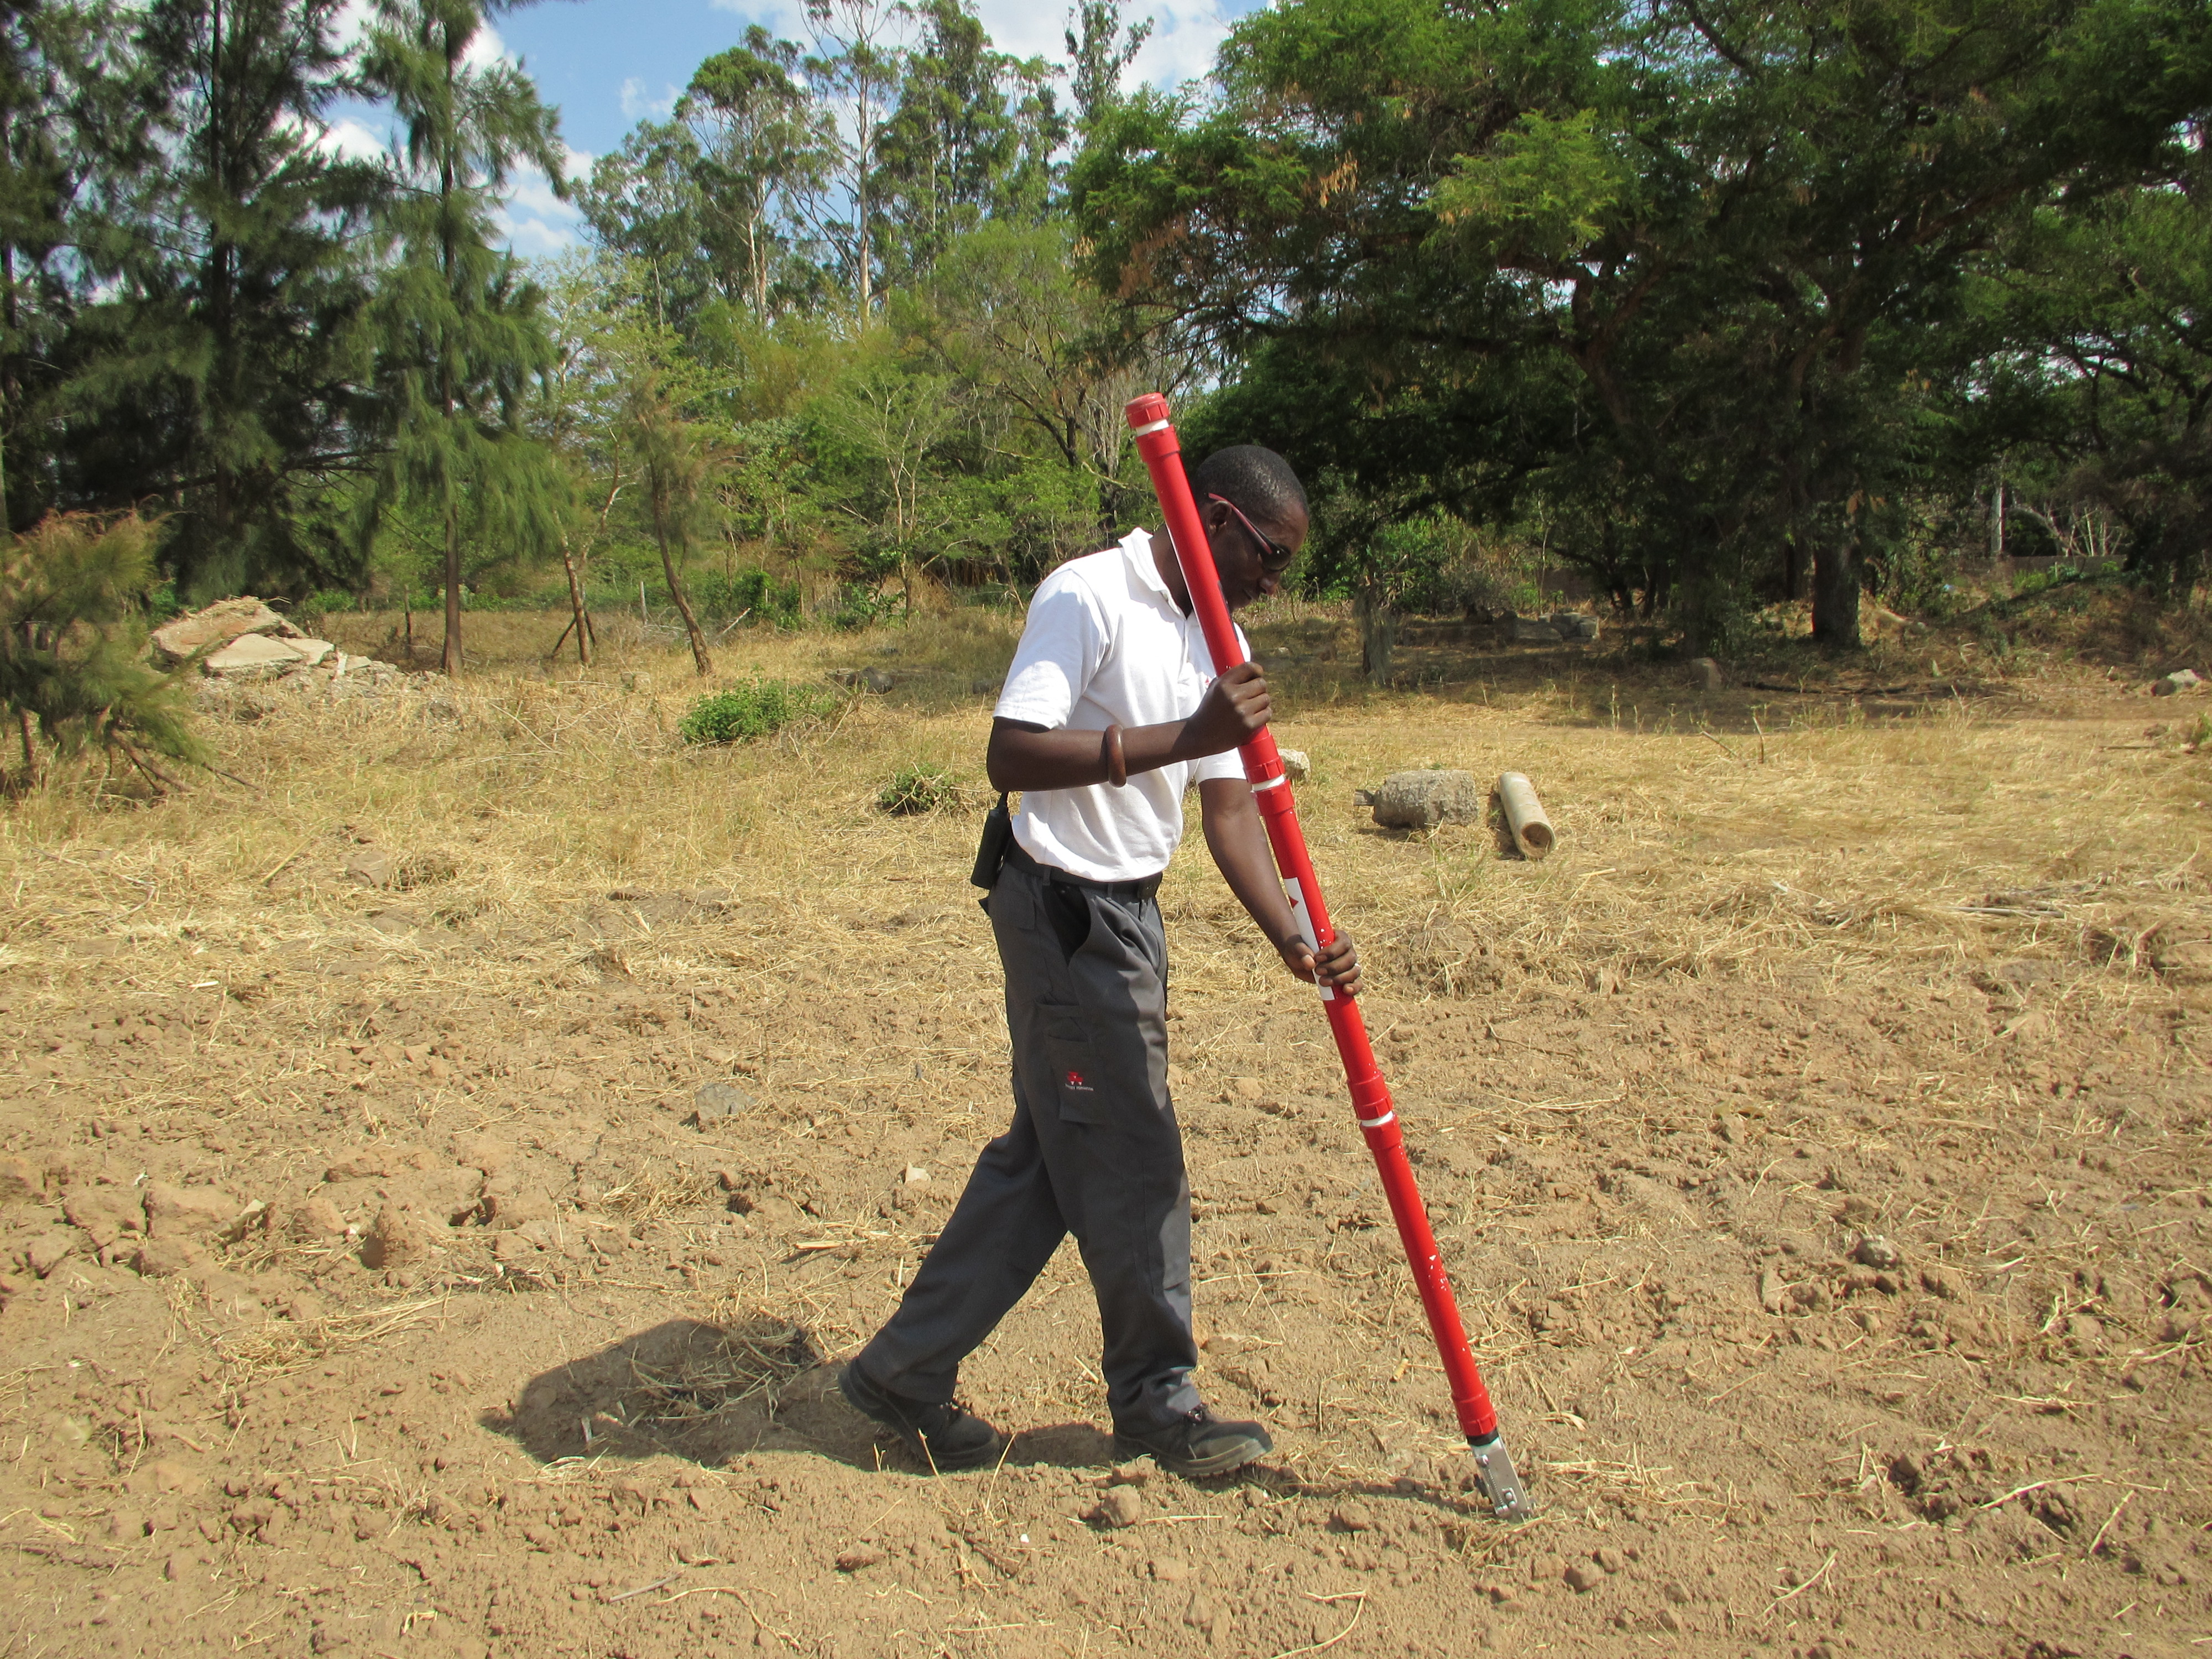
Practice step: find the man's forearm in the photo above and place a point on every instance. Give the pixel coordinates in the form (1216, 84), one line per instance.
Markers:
(1027, 757)
(1238, 841)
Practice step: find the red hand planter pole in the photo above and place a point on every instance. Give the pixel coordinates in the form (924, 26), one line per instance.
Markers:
(1370, 1095)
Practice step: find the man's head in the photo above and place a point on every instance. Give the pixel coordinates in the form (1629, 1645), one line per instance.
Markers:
(1253, 510)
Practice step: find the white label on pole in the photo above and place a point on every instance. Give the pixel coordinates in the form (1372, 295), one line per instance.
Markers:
(1303, 919)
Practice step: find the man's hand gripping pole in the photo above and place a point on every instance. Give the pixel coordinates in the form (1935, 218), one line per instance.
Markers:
(1370, 1095)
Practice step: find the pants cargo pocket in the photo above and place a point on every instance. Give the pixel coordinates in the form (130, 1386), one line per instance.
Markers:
(1079, 1086)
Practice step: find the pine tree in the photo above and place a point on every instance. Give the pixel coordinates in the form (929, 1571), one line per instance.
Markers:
(215, 370)
(73, 645)
(47, 92)
(459, 330)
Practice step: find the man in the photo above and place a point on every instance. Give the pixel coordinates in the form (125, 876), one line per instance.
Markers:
(1111, 710)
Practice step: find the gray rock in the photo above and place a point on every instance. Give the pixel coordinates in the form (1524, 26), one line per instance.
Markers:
(251, 656)
(1534, 630)
(1705, 674)
(2182, 679)
(715, 1102)
(1422, 800)
(1297, 767)
(216, 627)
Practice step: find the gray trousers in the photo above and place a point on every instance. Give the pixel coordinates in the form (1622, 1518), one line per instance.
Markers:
(1094, 1151)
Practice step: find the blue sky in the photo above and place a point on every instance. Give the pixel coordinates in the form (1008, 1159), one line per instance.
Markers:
(609, 63)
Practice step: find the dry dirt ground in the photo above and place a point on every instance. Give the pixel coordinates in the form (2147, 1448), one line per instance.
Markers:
(378, 1281)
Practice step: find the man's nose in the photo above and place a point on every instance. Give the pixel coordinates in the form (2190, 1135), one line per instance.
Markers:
(1271, 582)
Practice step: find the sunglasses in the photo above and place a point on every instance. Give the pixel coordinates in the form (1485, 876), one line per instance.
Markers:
(1273, 556)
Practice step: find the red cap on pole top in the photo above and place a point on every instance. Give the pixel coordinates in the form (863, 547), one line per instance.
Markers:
(1150, 409)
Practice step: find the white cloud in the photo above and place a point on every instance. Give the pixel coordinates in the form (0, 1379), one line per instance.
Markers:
(350, 139)
(638, 105)
(486, 49)
(1186, 33)
(1184, 40)
(538, 222)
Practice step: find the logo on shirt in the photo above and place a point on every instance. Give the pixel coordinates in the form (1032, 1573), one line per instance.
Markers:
(1075, 1081)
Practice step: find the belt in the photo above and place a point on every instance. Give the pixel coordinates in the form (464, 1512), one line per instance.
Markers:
(1113, 890)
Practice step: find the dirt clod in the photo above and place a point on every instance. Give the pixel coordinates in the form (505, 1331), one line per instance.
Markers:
(1875, 1251)
(398, 1238)
(1119, 1507)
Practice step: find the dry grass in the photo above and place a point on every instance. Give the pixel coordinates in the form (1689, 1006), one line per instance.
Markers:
(1827, 842)
(752, 1357)
(283, 1346)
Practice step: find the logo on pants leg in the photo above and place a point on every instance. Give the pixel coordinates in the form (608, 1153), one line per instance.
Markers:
(1075, 1081)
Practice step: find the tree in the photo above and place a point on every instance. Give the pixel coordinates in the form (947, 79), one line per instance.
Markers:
(855, 71)
(887, 425)
(73, 646)
(51, 126)
(459, 330)
(1101, 46)
(1004, 313)
(217, 366)
(1693, 265)
(672, 464)
(2101, 386)
(972, 137)
(765, 151)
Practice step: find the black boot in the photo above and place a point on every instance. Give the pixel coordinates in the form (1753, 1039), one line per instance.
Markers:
(943, 1435)
(1196, 1443)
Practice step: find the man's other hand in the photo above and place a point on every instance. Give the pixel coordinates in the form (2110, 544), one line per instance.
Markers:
(1337, 966)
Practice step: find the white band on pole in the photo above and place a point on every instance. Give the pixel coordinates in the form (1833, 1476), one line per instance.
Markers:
(1275, 782)
(1150, 427)
(1376, 1122)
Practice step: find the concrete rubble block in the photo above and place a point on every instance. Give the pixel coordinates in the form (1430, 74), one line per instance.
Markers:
(312, 653)
(1297, 765)
(1422, 800)
(216, 626)
(2182, 679)
(250, 657)
(1705, 674)
(1534, 630)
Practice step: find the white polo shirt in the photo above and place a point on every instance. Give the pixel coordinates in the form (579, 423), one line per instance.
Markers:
(1106, 644)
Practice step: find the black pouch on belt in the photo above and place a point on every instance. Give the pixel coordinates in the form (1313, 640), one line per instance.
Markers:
(990, 851)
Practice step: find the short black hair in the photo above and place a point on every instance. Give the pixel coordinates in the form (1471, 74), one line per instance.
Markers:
(1258, 480)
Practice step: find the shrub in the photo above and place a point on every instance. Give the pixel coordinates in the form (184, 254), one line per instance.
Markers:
(858, 607)
(758, 710)
(73, 593)
(329, 602)
(752, 594)
(916, 789)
